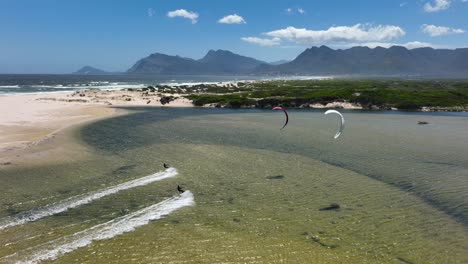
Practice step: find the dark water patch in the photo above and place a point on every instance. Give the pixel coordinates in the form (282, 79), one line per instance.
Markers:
(321, 243)
(124, 169)
(64, 191)
(122, 212)
(12, 211)
(151, 126)
(440, 163)
(405, 260)
(449, 209)
(331, 207)
(128, 134)
(275, 177)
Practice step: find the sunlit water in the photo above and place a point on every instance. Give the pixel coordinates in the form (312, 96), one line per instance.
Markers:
(257, 190)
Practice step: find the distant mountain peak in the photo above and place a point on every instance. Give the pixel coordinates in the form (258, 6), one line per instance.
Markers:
(220, 53)
(323, 47)
(214, 62)
(360, 48)
(279, 62)
(89, 70)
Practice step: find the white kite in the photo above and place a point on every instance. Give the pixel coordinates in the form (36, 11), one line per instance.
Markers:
(342, 121)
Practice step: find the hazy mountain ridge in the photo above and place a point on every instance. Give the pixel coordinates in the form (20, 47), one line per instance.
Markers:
(158, 63)
(395, 60)
(214, 62)
(355, 61)
(278, 62)
(89, 70)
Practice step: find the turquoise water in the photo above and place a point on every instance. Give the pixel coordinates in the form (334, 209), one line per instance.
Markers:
(257, 189)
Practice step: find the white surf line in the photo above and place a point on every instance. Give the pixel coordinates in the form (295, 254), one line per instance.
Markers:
(61, 246)
(75, 201)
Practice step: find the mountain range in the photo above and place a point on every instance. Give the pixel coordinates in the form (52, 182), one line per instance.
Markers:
(355, 61)
(214, 62)
(379, 61)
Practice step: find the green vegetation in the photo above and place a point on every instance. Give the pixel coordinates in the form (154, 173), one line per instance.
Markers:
(230, 100)
(375, 94)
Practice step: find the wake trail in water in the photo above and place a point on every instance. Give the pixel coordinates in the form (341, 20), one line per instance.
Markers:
(110, 229)
(75, 201)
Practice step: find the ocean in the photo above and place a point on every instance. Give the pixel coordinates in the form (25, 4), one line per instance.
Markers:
(254, 191)
(44, 83)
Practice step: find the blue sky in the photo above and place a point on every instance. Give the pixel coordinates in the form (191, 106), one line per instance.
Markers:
(58, 36)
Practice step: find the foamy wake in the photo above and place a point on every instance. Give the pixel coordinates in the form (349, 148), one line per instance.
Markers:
(75, 201)
(110, 229)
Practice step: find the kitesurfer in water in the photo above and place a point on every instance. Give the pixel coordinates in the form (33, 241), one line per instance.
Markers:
(180, 189)
(166, 166)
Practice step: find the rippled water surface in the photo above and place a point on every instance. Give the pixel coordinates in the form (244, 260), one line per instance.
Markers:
(257, 190)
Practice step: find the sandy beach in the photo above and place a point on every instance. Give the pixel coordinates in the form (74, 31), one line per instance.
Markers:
(28, 120)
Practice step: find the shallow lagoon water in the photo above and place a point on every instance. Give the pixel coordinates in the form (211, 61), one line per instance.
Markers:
(401, 188)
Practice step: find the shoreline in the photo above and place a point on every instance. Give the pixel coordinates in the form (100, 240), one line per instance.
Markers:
(300, 93)
(29, 119)
(27, 123)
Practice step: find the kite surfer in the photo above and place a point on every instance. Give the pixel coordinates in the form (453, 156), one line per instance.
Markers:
(180, 189)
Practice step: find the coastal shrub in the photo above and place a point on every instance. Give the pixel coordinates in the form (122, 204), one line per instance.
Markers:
(201, 100)
(240, 102)
(408, 106)
(403, 94)
(166, 99)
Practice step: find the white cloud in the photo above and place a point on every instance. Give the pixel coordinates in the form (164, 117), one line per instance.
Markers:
(436, 31)
(262, 41)
(291, 11)
(417, 44)
(464, 1)
(341, 34)
(436, 6)
(403, 4)
(151, 12)
(232, 19)
(185, 14)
